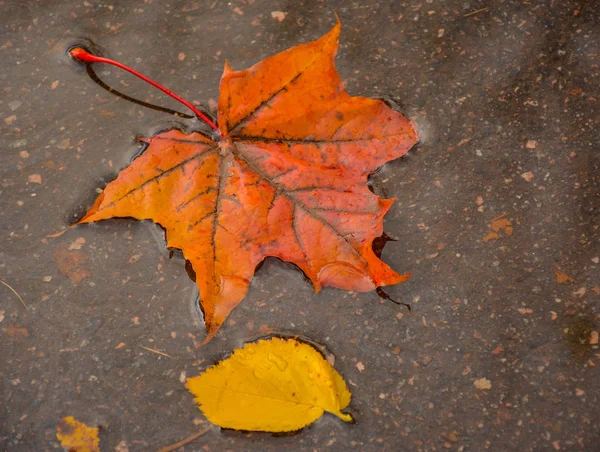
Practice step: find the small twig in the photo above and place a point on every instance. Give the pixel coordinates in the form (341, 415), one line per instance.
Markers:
(15, 292)
(183, 442)
(476, 12)
(156, 351)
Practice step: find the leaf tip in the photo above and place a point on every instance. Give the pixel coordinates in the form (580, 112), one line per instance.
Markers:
(58, 234)
(212, 329)
(346, 417)
(337, 18)
(386, 204)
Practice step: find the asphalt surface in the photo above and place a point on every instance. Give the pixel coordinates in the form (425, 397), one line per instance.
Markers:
(497, 354)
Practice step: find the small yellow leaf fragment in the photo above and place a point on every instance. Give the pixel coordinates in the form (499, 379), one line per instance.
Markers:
(75, 436)
(275, 385)
(483, 383)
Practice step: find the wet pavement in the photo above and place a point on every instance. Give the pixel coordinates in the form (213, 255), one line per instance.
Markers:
(497, 354)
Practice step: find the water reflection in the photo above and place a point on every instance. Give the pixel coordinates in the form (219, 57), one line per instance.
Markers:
(99, 82)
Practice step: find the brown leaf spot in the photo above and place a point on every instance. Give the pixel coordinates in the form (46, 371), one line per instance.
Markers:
(452, 436)
(528, 176)
(483, 383)
(278, 15)
(136, 257)
(35, 178)
(491, 236)
(71, 263)
(499, 224)
(65, 427)
(77, 244)
(531, 144)
(562, 277)
(15, 331)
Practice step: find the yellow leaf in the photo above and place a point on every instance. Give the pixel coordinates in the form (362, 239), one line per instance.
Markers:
(275, 385)
(75, 436)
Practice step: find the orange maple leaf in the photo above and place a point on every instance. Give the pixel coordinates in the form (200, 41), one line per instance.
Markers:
(285, 177)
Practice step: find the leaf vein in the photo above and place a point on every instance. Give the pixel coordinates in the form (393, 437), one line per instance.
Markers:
(156, 178)
(282, 89)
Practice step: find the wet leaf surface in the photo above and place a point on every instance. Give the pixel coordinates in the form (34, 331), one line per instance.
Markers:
(286, 177)
(274, 385)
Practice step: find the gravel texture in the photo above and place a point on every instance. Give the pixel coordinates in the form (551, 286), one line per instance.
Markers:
(500, 351)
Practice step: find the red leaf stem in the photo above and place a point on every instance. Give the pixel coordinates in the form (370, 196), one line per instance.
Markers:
(83, 55)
